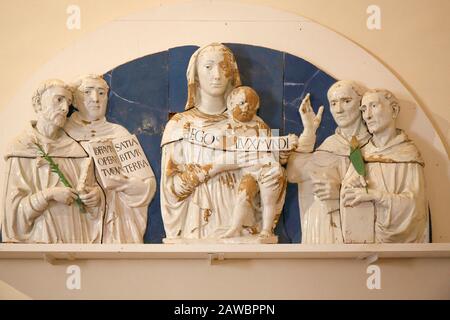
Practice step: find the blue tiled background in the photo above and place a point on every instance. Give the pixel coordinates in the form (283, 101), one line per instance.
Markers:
(145, 90)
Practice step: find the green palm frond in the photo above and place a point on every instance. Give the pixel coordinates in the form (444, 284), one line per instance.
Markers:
(55, 169)
(356, 158)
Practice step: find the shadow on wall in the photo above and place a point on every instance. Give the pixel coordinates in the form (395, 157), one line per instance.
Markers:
(408, 115)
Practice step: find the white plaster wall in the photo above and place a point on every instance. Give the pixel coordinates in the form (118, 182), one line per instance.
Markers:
(238, 279)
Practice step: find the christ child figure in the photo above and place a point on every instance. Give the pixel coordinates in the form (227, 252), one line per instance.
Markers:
(264, 173)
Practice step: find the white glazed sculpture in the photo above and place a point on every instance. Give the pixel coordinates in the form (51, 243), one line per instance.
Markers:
(395, 178)
(320, 174)
(199, 190)
(195, 204)
(264, 174)
(39, 206)
(127, 198)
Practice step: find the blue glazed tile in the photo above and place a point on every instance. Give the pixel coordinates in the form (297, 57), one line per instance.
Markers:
(297, 70)
(138, 100)
(291, 214)
(155, 229)
(137, 118)
(291, 102)
(280, 231)
(178, 63)
(144, 90)
(138, 95)
(262, 69)
(300, 78)
(280, 79)
(142, 81)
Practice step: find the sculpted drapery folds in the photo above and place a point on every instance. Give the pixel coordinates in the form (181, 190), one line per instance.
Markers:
(195, 201)
(320, 174)
(52, 194)
(67, 182)
(127, 199)
(395, 179)
(199, 188)
(39, 206)
(264, 173)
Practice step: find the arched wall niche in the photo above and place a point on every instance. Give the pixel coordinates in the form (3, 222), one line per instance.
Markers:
(158, 30)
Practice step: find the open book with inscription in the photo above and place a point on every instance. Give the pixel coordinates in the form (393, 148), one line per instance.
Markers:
(120, 157)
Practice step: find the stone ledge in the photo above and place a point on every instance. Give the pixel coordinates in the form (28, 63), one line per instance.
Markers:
(53, 252)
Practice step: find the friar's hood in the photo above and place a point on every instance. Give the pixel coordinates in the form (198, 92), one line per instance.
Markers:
(24, 145)
(398, 150)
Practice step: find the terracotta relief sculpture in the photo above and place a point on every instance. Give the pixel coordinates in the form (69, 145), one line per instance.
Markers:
(394, 180)
(127, 195)
(51, 195)
(264, 173)
(204, 196)
(87, 180)
(321, 173)
(381, 201)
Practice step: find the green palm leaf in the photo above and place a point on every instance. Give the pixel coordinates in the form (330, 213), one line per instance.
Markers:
(356, 158)
(358, 162)
(55, 169)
